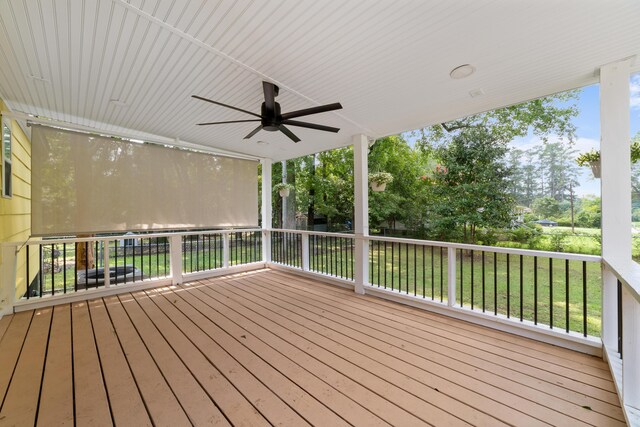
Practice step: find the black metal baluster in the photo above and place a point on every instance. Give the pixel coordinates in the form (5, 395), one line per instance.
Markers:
(535, 290)
(508, 287)
(385, 264)
(415, 271)
(472, 281)
(28, 276)
(495, 283)
(483, 282)
(97, 260)
(351, 249)
(378, 246)
(141, 258)
(441, 276)
(393, 262)
(40, 270)
(620, 318)
(584, 297)
(521, 288)
(64, 267)
(53, 272)
(86, 265)
(566, 296)
(433, 273)
(551, 293)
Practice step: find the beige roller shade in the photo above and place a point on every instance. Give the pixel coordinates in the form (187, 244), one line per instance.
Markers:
(89, 184)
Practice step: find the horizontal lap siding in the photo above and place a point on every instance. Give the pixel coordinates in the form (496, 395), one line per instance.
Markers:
(15, 213)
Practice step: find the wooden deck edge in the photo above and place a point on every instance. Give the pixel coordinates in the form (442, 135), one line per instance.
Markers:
(631, 415)
(589, 345)
(47, 301)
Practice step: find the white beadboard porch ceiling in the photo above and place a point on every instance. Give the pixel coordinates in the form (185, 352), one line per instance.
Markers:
(386, 61)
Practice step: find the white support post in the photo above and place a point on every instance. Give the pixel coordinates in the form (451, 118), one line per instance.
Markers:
(615, 159)
(266, 210)
(451, 277)
(8, 268)
(225, 250)
(361, 217)
(609, 308)
(630, 350)
(305, 252)
(105, 264)
(175, 249)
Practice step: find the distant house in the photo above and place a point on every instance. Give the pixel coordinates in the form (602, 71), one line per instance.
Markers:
(546, 223)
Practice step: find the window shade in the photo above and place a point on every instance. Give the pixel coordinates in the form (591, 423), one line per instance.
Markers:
(89, 184)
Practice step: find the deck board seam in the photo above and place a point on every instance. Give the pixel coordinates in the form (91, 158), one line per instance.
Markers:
(24, 339)
(44, 366)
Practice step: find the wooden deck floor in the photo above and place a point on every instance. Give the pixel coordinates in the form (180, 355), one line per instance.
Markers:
(270, 348)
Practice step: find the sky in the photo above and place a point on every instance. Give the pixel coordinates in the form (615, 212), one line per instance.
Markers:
(588, 130)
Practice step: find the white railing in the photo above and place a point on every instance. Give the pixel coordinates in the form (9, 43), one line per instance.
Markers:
(44, 271)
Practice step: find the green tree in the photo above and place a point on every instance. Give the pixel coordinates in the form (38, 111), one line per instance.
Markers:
(547, 207)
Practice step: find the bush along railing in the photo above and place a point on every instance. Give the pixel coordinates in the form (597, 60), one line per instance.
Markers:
(52, 267)
(555, 290)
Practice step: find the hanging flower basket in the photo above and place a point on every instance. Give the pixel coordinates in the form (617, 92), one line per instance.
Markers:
(378, 187)
(595, 168)
(283, 189)
(379, 180)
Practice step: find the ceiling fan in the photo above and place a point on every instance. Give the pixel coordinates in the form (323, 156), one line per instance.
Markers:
(271, 118)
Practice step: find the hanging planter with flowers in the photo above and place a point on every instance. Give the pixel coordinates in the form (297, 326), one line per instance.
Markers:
(379, 180)
(592, 158)
(283, 189)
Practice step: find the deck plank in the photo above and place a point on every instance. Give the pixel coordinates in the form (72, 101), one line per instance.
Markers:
(92, 403)
(323, 319)
(409, 329)
(233, 404)
(21, 403)
(194, 326)
(350, 307)
(5, 321)
(160, 400)
(11, 347)
(196, 403)
(125, 400)
(306, 405)
(426, 410)
(56, 400)
(273, 348)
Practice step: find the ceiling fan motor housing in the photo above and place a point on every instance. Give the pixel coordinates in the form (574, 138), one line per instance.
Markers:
(271, 119)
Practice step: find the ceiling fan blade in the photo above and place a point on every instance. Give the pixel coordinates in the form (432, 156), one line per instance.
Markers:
(253, 132)
(270, 92)
(225, 105)
(311, 126)
(312, 110)
(231, 121)
(287, 132)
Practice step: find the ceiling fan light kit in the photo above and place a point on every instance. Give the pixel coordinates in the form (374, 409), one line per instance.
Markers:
(271, 118)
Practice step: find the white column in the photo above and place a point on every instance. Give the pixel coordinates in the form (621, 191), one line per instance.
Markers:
(225, 249)
(451, 277)
(175, 251)
(615, 157)
(8, 267)
(361, 217)
(266, 210)
(305, 252)
(630, 350)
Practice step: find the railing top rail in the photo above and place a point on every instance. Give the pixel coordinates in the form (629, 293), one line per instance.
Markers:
(40, 241)
(628, 273)
(496, 249)
(313, 233)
